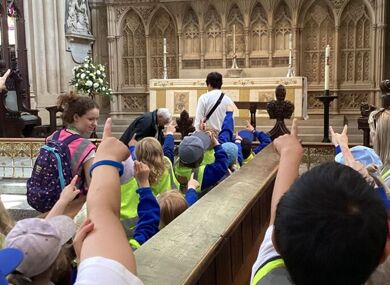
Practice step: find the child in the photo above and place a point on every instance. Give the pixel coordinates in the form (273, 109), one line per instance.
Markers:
(327, 227)
(191, 151)
(42, 240)
(248, 136)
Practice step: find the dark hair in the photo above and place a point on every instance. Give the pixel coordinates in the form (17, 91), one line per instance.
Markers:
(331, 227)
(214, 79)
(246, 146)
(73, 104)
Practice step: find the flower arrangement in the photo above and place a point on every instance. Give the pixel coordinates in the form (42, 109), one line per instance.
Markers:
(90, 79)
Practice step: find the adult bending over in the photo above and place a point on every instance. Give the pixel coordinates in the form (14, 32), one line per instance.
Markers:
(150, 124)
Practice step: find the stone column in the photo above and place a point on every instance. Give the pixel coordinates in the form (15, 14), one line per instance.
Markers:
(224, 50)
(270, 46)
(112, 50)
(202, 47)
(50, 65)
(180, 49)
(337, 57)
(246, 33)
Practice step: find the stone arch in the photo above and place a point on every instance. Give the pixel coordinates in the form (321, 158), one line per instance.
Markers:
(162, 26)
(213, 34)
(305, 7)
(258, 31)
(235, 18)
(318, 32)
(191, 35)
(282, 26)
(355, 43)
(133, 50)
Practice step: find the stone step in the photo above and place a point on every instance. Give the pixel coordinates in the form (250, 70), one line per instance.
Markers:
(18, 207)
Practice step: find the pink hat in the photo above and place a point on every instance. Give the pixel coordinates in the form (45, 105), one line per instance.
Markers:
(40, 240)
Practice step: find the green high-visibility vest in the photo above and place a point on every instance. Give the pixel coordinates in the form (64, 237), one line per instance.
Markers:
(249, 158)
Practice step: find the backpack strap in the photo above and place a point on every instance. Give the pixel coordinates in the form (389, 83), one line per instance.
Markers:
(214, 107)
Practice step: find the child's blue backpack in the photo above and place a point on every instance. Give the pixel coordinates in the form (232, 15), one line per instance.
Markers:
(51, 173)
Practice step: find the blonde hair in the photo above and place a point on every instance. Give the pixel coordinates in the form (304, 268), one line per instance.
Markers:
(379, 122)
(172, 204)
(149, 151)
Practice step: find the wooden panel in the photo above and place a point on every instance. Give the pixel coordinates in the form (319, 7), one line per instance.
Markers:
(236, 250)
(224, 267)
(247, 234)
(209, 277)
(183, 252)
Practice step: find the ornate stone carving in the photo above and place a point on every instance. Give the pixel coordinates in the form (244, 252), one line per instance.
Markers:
(282, 27)
(352, 100)
(318, 31)
(134, 51)
(313, 102)
(144, 11)
(163, 27)
(119, 12)
(77, 20)
(258, 30)
(191, 35)
(133, 103)
(235, 18)
(213, 33)
(181, 101)
(355, 46)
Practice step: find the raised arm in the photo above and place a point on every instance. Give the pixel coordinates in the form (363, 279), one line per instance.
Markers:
(169, 143)
(108, 239)
(226, 133)
(291, 152)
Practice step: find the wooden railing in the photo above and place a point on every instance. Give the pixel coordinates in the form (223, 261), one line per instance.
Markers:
(217, 240)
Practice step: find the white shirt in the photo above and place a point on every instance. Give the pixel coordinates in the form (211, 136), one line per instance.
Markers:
(205, 103)
(100, 270)
(266, 252)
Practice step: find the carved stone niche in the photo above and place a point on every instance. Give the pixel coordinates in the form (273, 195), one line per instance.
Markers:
(78, 29)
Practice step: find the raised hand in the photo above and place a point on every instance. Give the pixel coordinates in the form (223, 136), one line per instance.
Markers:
(192, 183)
(110, 147)
(289, 143)
(339, 139)
(171, 128)
(141, 173)
(70, 191)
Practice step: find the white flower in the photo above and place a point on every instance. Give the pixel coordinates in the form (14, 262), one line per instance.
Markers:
(96, 85)
(98, 72)
(77, 75)
(103, 88)
(76, 85)
(100, 81)
(88, 83)
(86, 65)
(82, 76)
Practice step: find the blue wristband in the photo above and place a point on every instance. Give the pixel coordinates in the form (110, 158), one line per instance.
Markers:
(109, 163)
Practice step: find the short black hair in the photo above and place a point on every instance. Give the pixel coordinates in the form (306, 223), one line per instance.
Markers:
(214, 79)
(246, 148)
(331, 227)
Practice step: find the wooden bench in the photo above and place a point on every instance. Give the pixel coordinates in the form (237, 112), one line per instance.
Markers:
(216, 241)
(16, 120)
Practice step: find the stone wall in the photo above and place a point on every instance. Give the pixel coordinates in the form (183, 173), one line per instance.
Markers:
(199, 37)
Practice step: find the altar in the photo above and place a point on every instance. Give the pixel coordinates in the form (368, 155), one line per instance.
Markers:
(182, 94)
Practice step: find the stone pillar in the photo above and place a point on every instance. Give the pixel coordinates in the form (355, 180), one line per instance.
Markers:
(246, 33)
(337, 57)
(180, 49)
(112, 50)
(224, 50)
(202, 47)
(50, 65)
(270, 46)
